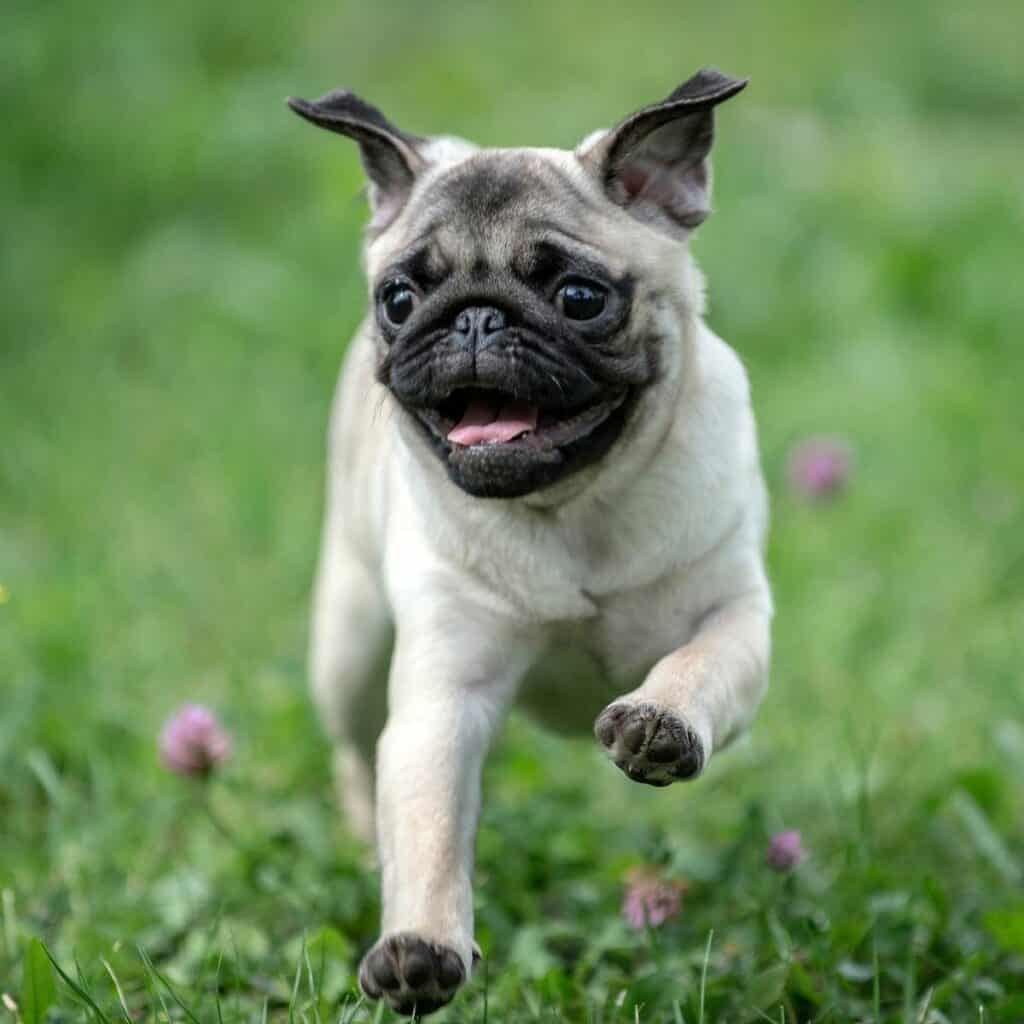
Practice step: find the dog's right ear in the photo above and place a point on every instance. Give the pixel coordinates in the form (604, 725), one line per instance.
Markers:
(392, 158)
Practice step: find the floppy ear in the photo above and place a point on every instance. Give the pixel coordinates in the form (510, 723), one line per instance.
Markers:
(655, 163)
(391, 157)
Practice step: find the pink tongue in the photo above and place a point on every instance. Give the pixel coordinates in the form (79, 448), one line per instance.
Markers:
(483, 423)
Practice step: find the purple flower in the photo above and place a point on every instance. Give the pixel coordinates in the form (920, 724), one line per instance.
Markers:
(785, 850)
(819, 467)
(651, 900)
(193, 742)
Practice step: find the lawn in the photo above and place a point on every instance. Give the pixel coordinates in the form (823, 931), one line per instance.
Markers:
(179, 275)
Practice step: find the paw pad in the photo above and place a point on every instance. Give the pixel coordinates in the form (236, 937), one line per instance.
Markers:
(416, 977)
(649, 743)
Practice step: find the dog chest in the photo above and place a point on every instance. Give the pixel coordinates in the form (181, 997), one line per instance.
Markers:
(568, 684)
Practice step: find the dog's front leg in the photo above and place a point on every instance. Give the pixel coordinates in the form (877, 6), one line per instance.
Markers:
(695, 699)
(453, 673)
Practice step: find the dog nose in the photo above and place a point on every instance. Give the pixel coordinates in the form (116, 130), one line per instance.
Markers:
(478, 323)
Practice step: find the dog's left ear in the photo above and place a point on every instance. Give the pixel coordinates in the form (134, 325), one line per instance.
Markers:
(392, 158)
(655, 163)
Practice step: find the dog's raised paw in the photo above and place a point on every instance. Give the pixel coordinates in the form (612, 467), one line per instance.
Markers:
(415, 976)
(649, 743)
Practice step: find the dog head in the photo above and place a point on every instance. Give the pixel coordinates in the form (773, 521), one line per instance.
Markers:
(527, 300)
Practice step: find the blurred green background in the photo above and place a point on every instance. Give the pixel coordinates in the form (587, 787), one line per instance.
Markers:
(178, 280)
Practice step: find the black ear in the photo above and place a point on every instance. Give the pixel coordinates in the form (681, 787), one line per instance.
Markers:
(655, 162)
(390, 156)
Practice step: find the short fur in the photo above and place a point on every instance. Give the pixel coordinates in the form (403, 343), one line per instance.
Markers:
(625, 574)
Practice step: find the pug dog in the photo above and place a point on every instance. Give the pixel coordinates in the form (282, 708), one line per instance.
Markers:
(544, 488)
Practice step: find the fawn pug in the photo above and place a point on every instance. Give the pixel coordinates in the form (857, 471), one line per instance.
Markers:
(544, 487)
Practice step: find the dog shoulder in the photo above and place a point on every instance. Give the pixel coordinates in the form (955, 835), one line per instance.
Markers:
(729, 462)
(709, 471)
(719, 416)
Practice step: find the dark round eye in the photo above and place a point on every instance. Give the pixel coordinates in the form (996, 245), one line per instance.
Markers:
(398, 300)
(581, 301)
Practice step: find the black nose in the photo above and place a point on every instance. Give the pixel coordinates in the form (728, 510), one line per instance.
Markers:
(478, 323)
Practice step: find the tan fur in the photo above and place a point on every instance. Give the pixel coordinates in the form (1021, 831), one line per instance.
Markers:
(638, 580)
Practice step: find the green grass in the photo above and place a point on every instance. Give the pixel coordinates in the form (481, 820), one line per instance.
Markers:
(178, 278)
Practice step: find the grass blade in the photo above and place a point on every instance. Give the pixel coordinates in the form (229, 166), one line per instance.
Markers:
(314, 988)
(150, 966)
(985, 838)
(84, 997)
(117, 989)
(486, 989)
(876, 983)
(38, 988)
(295, 986)
(704, 976)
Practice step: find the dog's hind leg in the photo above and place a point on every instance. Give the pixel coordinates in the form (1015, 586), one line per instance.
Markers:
(350, 644)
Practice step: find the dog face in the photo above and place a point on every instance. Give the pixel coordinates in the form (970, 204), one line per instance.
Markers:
(521, 296)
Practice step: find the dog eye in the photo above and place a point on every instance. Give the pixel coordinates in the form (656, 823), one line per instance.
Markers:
(581, 301)
(398, 301)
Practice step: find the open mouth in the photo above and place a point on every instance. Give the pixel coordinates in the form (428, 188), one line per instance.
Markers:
(471, 417)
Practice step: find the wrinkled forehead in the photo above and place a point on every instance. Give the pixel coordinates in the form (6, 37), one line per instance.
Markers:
(486, 193)
(497, 207)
